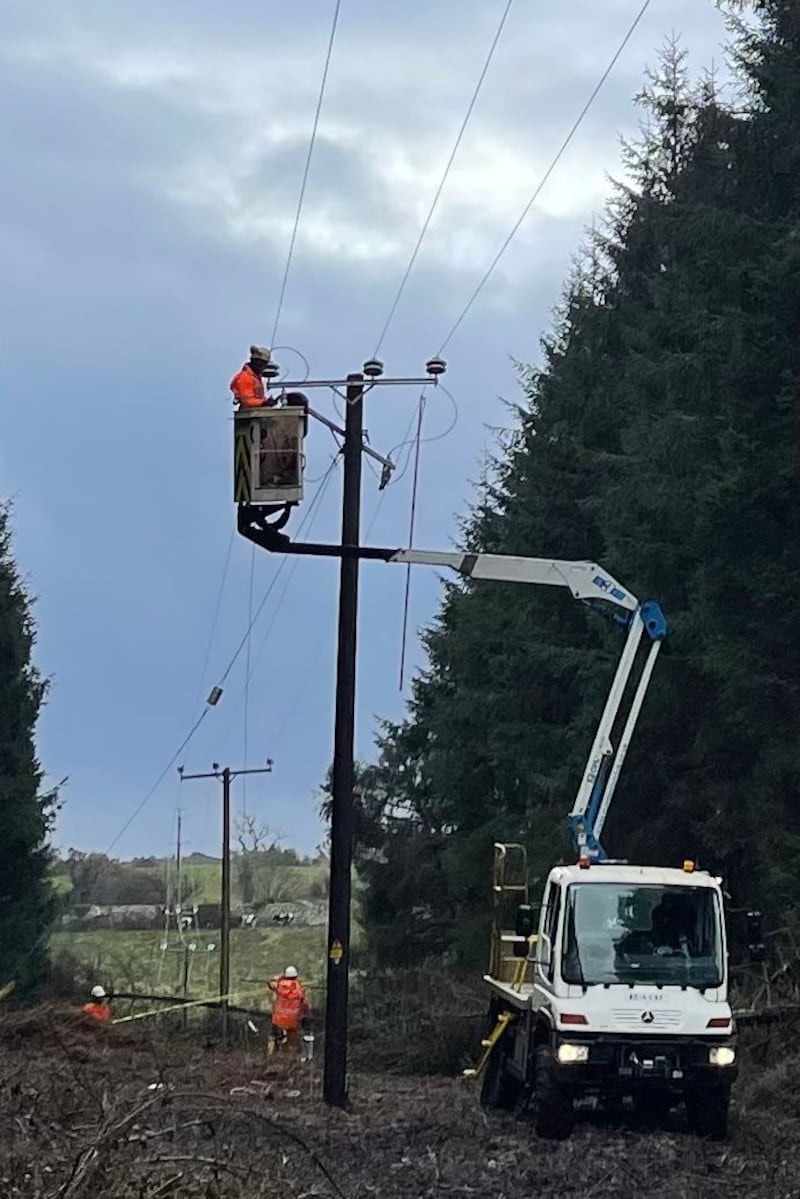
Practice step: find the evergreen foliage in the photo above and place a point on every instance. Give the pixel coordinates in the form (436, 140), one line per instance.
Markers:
(26, 903)
(657, 438)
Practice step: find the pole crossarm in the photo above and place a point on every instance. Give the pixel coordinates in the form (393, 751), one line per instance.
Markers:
(282, 385)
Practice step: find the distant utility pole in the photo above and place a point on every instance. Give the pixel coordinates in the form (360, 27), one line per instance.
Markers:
(226, 775)
(253, 524)
(178, 883)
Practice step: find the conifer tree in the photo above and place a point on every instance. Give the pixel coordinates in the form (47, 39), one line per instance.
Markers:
(26, 904)
(656, 437)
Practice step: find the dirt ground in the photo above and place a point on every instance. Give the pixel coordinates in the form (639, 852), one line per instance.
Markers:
(92, 1112)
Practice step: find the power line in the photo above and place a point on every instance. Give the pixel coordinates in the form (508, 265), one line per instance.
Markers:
(575, 126)
(139, 807)
(215, 619)
(411, 524)
(309, 518)
(291, 708)
(159, 780)
(411, 442)
(443, 179)
(311, 143)
(273, 583)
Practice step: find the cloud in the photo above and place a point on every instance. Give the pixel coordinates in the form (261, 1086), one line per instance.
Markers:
(388, 123)
(154, 154)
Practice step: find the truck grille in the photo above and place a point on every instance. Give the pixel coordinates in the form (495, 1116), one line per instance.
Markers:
(639, 1018)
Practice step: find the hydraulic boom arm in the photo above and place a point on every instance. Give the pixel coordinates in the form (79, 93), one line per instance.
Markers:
(590, 583)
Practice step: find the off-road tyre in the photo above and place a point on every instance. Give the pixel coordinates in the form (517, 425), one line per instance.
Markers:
(708, 1110)
(554, 1113)
(500, 1091)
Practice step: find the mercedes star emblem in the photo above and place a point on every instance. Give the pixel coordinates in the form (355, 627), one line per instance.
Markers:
(647, 1017)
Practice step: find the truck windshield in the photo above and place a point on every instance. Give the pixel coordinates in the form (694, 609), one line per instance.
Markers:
(650, 934)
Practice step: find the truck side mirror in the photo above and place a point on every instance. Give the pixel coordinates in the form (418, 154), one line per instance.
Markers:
(523, 927)
(755, 937)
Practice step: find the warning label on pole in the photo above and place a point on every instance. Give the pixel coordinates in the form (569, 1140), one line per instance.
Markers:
(336, 952)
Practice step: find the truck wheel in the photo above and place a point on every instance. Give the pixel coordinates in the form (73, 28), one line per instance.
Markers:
(554, 1112)
(708, 1112)
(500, 1091)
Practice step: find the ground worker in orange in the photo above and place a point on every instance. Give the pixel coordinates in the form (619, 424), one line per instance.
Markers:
(246, 385)
(289, 1008)
(97, 1007)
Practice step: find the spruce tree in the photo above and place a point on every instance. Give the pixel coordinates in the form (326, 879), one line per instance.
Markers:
(26, 903)
(656, 437)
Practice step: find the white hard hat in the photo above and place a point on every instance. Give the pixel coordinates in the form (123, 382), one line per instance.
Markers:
(98, 993)
(290, 972)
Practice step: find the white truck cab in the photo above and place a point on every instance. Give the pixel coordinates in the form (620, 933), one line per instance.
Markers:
(621, 991)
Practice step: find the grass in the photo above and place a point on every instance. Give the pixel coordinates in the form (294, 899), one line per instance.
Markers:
(289, 882)
(135, 961)
(295, 882)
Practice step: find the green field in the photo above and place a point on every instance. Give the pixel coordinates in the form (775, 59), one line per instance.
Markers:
(280, 883)
(291, 882)
(134, 961)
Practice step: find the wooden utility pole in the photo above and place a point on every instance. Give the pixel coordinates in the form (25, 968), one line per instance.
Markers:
(335, 1076)
(226, 776)
(254, 524)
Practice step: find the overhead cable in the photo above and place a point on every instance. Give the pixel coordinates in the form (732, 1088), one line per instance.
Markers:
(215, 619)
(146, 798)
(311, 144)
(411, 525)
(443, 179)
(559, 154)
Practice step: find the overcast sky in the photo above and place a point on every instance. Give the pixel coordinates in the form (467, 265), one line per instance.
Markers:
(152, 160)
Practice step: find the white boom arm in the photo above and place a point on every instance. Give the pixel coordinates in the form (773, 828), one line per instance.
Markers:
(589, 582)
(585, 580)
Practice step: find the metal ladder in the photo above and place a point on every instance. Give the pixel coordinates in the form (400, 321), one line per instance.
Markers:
(509, 880)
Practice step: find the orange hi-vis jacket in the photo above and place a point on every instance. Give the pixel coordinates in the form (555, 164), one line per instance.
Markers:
(248, 390)
(290, 1003)
(100, 1011)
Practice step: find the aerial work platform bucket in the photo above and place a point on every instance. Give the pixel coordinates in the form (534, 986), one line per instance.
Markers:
(268, 455)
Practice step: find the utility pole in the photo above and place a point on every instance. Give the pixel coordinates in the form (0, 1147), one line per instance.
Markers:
(226, 776)
(178, 872)
(253, 523)
(335, 1075)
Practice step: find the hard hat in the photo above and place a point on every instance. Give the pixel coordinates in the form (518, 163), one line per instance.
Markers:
(290, 972)
(264, 353)
(98, 993)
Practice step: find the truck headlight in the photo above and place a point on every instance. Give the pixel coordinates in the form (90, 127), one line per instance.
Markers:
(569, 1054)
(721, 1055)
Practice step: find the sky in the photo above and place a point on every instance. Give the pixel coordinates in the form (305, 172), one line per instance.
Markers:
(153, 156)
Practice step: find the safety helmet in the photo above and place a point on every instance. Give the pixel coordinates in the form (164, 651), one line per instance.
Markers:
(98, 993)
(290, 972)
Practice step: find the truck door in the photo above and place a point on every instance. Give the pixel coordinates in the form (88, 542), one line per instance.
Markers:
(546, 956)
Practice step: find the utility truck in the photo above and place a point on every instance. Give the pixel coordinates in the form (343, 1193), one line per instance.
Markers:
(620, 988)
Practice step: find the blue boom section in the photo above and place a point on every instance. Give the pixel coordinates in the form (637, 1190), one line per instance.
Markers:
(582, 825)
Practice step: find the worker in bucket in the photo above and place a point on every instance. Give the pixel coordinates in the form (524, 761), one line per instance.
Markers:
(98, 1007)
(247, 385)
(290, 1007)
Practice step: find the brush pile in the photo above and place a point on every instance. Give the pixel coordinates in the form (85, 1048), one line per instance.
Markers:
(88, 1111)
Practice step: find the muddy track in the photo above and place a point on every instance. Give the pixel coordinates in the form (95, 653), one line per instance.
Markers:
(88, 1112)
